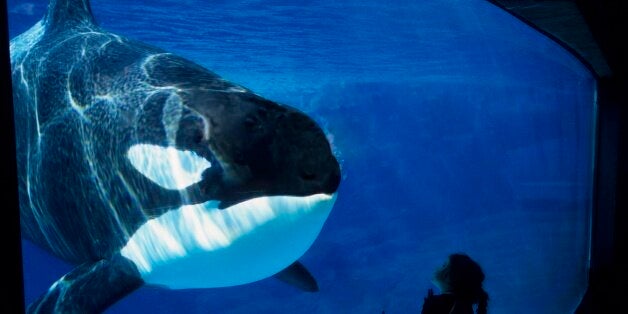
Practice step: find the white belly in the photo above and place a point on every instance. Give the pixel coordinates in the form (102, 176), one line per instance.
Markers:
(201, 246)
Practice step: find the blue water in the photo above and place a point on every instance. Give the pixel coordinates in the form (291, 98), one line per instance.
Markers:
(458, 128)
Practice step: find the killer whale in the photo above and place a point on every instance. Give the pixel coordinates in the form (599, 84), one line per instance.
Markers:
(142, 167)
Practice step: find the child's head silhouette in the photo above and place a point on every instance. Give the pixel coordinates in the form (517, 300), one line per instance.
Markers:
(462, 277)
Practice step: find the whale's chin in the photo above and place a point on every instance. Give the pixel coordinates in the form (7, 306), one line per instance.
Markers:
(201, 246)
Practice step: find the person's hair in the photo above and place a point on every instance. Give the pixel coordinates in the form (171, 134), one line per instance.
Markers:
(463, 277)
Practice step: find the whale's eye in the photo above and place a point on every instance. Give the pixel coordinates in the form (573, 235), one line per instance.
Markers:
(191, 131)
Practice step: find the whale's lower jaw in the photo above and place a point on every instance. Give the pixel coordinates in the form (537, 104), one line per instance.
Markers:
(201, 246)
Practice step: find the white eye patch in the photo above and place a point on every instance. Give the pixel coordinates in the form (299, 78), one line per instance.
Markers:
(167, 166)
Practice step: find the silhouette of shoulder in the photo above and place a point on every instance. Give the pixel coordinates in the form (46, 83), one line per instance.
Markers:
(437, 304)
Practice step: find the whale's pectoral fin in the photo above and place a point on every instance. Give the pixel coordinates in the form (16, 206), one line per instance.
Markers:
(90, 287)
(298, 276)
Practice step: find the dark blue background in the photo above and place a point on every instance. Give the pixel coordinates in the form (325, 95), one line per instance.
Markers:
(458, 128)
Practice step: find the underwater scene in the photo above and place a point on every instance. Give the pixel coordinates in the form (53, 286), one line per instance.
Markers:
(297, 156)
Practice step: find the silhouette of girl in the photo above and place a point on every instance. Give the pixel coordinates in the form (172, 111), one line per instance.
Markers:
(460, 281)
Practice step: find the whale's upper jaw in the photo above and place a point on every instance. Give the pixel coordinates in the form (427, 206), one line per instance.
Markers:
(288, 155)
(277, 151)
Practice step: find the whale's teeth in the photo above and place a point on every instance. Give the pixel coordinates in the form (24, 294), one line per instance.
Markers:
(167, 166)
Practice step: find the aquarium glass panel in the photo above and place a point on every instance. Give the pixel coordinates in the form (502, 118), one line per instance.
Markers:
(196, 145)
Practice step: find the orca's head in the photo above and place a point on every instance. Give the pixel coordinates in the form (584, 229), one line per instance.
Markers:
(257, 182)
(256, 148)
(232, 145)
